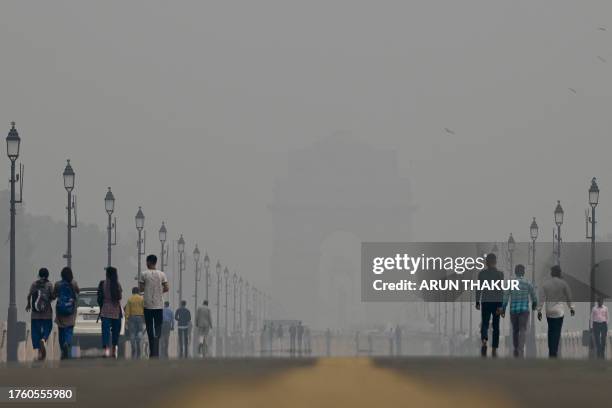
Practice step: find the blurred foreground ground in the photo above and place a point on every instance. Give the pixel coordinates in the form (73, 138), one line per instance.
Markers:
(334, 382)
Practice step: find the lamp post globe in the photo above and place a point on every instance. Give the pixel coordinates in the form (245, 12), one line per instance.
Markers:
(593, 193)
(181, 244)
(109, 202)
(13, 142)
(68, 177)
(206, 261)
(162, 233)
(140, 219)
(511, 243)
(559, 214)
(196, 254)
(533, 230)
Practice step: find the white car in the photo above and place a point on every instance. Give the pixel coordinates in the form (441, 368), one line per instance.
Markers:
(88, 325)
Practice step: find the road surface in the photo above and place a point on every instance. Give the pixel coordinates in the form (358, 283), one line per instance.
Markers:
(328, 382)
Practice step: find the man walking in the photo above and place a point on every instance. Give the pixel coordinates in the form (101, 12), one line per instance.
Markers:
(553, 294)
(519, 309)
(154, 284)
(489, 302)
(39, 302)
(203, 324)
(167, 327)
(300, 336)
(599, 322)
(134, 319)
(183, 319)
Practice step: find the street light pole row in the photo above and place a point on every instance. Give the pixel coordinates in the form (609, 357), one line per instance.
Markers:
(13, 144)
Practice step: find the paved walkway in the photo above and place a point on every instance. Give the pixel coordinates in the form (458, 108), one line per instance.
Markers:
(335, 382)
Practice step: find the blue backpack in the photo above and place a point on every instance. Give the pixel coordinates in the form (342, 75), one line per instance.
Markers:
(65, 300)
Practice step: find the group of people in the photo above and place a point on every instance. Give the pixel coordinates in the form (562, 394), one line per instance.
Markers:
(42, 293)
(553, 297)
(299, 338)
(145, 308)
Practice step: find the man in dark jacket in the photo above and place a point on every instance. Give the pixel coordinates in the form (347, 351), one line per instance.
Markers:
(183, 319)
(489, 302)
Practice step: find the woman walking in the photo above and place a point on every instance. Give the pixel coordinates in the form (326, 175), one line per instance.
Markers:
(109, 291)
(65, 291)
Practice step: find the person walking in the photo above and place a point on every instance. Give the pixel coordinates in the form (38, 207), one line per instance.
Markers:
(553, 294)
(292, 334)
(203, 324)
(519, 309)
(153, 284)
(110, 292)
(167, 327)
(489, 302)
(300, 337)
(39, 302)
(183, 320)
(66, 291)
(599, 322)
(134, 320)
(280, 334)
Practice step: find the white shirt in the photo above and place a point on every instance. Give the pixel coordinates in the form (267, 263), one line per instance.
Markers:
(554, 293)
(153, 281)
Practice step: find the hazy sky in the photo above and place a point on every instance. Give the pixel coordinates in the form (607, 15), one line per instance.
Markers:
(189, 108)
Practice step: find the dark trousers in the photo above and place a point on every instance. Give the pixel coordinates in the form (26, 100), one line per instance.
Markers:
(600, 332)
(554, 335)
(110, 331)
(519, 328)
(488, 310)
(153, 321)
(183, 339)
(41, 328)
(65, 340)
(164, 341)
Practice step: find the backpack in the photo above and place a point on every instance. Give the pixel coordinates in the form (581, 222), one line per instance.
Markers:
(65, 301)
(101, 294)
(41, 298)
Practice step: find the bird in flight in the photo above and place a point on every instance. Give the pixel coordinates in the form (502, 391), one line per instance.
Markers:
(602, 28)
(573, 90)
(449, 131)
(602, 59)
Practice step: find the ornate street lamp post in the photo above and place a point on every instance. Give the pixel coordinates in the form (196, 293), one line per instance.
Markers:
(593, 201)
(13, 142)
(181, 251)
(557, 235)
(246, 307)
(69, 186)
(226, 275)
(511, 248)
(218, 347)
(140, 219)
(207, 275)
(531, 342)
(197, 278)
(240, 305)
(109, 205)
(234, 292)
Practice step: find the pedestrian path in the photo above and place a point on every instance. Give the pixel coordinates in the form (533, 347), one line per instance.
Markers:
(338, 382)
